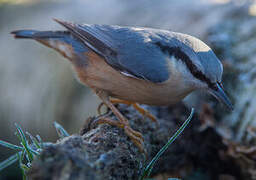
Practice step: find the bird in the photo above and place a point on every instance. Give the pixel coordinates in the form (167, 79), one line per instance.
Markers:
(135, 65)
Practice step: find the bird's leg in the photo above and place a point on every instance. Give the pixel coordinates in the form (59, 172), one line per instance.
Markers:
(135, 136)
(114, 101)
(141, 110)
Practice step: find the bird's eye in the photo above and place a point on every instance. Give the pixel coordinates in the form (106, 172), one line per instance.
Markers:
(214, 86)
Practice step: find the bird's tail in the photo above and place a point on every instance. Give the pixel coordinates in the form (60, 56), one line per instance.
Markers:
(33, 34)
(62, 41)
(24, 33)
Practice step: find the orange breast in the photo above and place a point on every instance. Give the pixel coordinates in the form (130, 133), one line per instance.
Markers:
(97, 74)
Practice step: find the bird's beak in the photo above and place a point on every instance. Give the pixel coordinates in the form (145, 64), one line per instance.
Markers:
(221, 96)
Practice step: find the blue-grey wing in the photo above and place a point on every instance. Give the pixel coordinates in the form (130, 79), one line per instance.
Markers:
(128, 50)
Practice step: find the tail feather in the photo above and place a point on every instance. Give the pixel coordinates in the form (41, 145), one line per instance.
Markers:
(24, 33)
(62, 41)
(39, 34)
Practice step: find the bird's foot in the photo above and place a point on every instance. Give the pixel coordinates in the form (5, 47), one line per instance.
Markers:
(141, 110)
(144, 112)
(135, 136)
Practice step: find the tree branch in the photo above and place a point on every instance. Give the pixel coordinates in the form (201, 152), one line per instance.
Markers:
(105, 152)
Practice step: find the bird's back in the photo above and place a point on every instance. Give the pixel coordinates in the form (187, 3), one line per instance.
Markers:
(142, 51)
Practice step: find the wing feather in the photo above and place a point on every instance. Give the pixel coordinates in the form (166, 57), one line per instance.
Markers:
(125, 49)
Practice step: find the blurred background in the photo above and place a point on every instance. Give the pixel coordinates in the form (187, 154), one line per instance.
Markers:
(38, 86)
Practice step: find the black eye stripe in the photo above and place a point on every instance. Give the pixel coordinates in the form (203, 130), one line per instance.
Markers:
(213, 86)
(179, 54)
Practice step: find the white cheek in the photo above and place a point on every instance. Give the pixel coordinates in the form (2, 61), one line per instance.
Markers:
(199, 84)
(178, 69)
(180, 72)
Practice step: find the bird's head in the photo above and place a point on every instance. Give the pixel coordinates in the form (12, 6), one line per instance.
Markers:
(206, 69)
(199, 66)
(212, 77)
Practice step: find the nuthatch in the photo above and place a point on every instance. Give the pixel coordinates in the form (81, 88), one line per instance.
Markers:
(135, 65)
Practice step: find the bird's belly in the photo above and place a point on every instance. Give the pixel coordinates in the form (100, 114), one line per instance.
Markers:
(99, 75)
(146, 94)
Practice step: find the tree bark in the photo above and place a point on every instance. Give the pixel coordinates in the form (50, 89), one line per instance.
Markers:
(105, 152)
